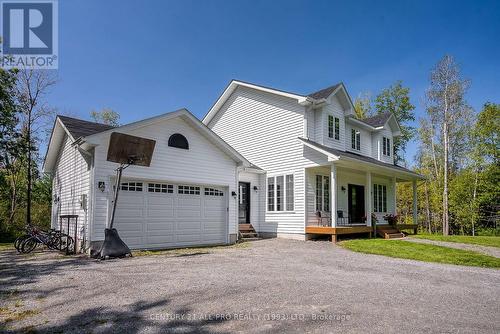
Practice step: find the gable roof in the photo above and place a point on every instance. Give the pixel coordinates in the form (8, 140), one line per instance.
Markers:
(80, 128)
(377, 120)
(315, 98)
(325, 92)
(350, 155)
(93, 132)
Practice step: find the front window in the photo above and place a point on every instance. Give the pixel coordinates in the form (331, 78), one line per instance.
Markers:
(280, 196)
(322, 193)
(355, 139)
(379, 198)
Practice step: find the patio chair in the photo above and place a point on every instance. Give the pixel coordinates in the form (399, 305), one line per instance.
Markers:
(341, 219)
(323, 218)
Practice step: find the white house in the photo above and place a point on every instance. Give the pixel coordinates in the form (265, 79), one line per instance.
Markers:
(204, 187)
(183, 199)
(317, 157)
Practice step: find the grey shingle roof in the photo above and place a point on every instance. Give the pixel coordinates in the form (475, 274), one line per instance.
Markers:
(80, 128)
(377, 120)
(325, 92)
(358, 157)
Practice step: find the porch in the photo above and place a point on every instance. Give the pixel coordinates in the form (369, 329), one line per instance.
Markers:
(361, 197)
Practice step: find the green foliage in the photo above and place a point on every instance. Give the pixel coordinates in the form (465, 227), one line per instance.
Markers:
(421, 252)
(396, 100)
(106, 116)
(363, 106)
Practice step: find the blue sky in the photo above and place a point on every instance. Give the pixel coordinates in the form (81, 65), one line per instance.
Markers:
(146, 58)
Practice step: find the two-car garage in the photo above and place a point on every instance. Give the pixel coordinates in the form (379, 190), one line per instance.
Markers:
(163, 214)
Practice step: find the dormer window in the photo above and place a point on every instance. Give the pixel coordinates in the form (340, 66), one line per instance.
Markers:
(355, 140)
(179, 141)
(333, 127)
(386, 146)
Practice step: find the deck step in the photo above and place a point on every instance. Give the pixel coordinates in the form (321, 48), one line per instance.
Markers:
(389, 232)
(248, 234)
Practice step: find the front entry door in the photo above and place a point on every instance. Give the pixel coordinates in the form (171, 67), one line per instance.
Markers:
(244, 203)
(356, 203)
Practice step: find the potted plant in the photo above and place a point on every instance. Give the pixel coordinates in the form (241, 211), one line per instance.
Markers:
(392, 219)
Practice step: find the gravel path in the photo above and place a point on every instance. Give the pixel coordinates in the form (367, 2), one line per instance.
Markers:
(271, 286)
(491, 251)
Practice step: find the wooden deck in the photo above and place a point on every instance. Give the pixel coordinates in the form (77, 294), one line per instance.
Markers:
(334, 231)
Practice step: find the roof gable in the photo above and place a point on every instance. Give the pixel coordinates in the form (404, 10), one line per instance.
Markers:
(80, 128)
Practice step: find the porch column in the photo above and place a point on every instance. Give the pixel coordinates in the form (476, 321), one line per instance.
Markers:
(395, 194)
(369, 199)
(414, 183)
(333, 194)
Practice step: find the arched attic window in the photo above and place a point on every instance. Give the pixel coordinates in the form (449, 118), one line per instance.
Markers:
(179, 141)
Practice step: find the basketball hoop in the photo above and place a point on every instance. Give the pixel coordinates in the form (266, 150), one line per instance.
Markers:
(126, 150)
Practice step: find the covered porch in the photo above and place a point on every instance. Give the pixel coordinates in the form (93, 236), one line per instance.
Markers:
(353, 197)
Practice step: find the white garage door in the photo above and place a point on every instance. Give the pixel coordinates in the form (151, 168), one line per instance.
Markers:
(161, 215)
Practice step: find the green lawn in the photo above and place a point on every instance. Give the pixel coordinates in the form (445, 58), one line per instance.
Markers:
(466, 239)
(421, 252)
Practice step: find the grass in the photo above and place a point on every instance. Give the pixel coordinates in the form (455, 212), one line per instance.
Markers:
(421, 252)
(188, 251)
(466, 239)
(6, 246)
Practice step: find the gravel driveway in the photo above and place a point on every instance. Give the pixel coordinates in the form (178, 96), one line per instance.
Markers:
(271, 286)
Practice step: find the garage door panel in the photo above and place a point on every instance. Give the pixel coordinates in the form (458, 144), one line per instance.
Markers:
(155, 219)
(188, 237)
(160, 226)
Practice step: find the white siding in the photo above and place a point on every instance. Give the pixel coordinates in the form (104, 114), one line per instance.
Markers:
(377, 145)
(334, 109)
(366, 141)
(71, 180)
(264, 128)
(202, 164)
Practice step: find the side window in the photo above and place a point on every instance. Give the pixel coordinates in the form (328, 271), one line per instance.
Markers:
(379, 198)
(337, 128)
(270, 194)
(386, 146)
(330, 126)
(355, 139)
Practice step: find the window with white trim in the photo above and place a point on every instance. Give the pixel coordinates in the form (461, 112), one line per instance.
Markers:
(213, 192)
(131, 186)
(188, 190)
(280, 196)
(355, 139)
(161, 188)
(337, 128)
(333, 127)
(386, 146)
(322, 193)
(379, 198)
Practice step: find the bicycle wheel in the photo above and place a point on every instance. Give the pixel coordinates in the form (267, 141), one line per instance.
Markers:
(18, 242)
(28, 245)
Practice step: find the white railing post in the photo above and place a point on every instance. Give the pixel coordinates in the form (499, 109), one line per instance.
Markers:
(369, 200)
(333, 194)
